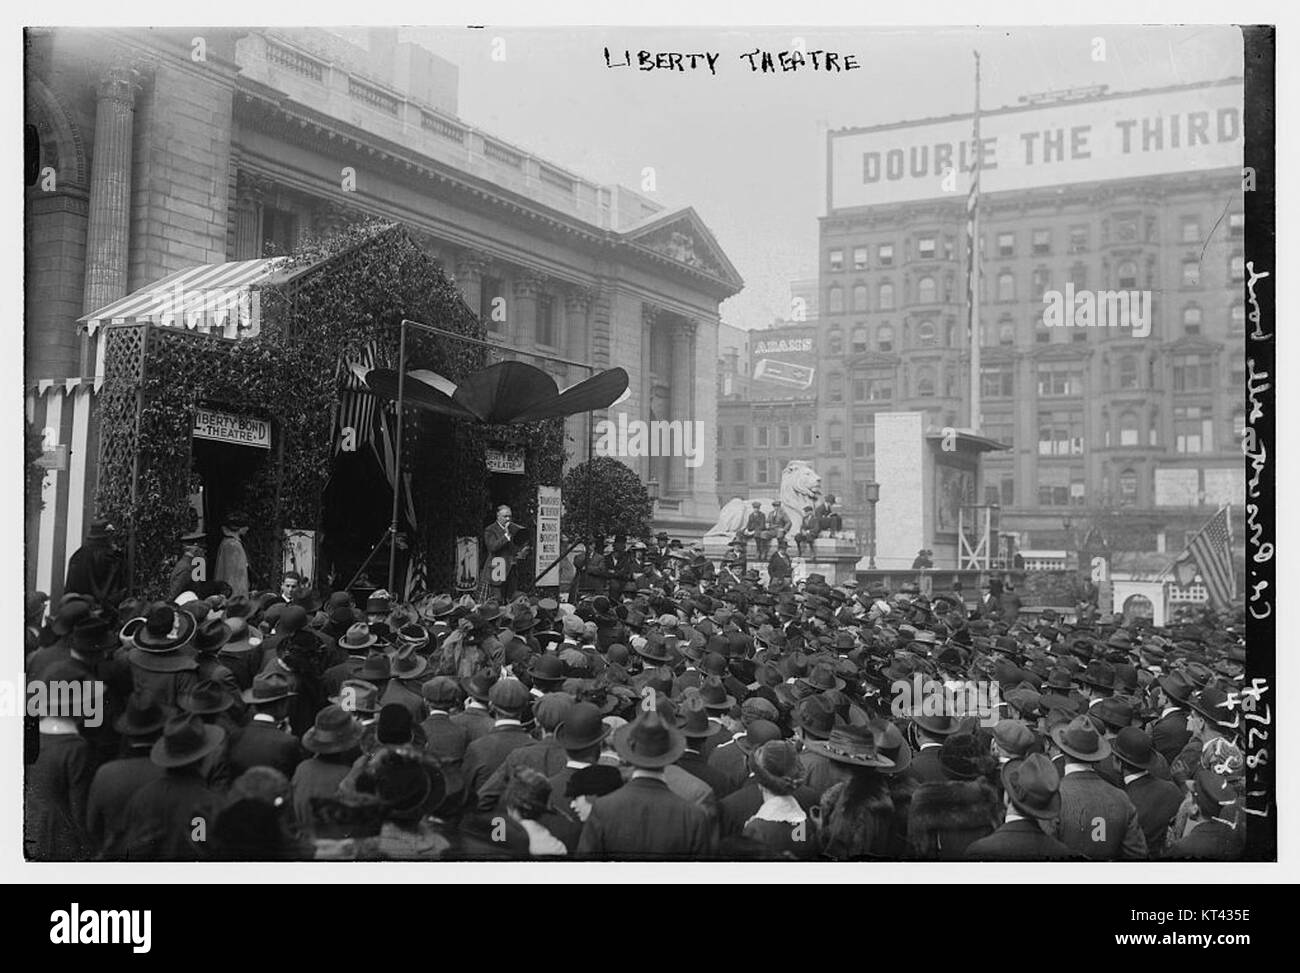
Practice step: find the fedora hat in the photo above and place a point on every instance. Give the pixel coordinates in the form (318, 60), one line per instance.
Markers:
(821, 677)
(409, 664)
(938, 725)
(892, 744)
(358, 638)
(478, 685)
(206, 697)
(816, 717)
(584, 727)
(334, 731)
(186, 740)
(1079, 739)
(655, 649)
(141, 717)
(358, 696)
(377, 666)
(267, 688)
(713, 693)
(240, 640)
(440, 607)
(93, 635)
(853, 745)
(1214, 705)
(649, 742)
(1033, 786)
(693, 720)
(1113, 712)
(1098, 674)
(1133, 746)
(164, 629)
(1177, 687)
(211, 635)
(546, 670)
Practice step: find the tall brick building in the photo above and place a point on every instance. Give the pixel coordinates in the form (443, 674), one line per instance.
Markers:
(161, 150)
(1135, 437)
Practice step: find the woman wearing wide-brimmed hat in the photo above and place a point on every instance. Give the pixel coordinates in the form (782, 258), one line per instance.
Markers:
(856, 815)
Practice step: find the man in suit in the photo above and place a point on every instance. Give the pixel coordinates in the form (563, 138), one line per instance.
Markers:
(500, 540)
(698, 729)
(1031, 792)
(779, 567)
(990, 600)
(1169, 732)
(117, 781)
(507, 700)
(264, 741)
(658, 556)
(931, 731)
(475, 719)
(619, 568)
(1211, 834)
(1157, 801)
(445, 739)
(643, 819)
(1097, 820)
(756, 527)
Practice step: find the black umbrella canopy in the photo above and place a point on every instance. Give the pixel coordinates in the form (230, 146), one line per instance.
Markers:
(502, 393)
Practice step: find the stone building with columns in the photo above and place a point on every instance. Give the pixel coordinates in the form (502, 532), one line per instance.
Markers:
(162, 150)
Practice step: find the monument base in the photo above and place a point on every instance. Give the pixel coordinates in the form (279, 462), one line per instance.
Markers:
(834, 558)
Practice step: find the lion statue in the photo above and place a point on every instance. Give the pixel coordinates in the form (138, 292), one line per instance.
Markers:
(800, 487)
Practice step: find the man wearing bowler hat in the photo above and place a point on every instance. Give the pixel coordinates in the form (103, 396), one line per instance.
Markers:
(1157, 801)
(1097, 820)
(643, 819)
(1031, 792)
(1169, 732)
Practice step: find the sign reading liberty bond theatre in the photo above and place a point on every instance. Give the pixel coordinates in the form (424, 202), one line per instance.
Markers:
(226, 427)
(1190, 129)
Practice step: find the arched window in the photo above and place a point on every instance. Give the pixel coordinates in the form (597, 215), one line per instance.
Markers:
(1128, 488)
(1128, 372)
(1128, 429)
(1006, 286)
(926, 334)
(886, 296)
(1191, 319)
(835, 299)
(860, 339)
(885, 338)
(859, 297)
(925, 382)
(1138, 606)
(835, 342)
(1126, 275)
(925, 290)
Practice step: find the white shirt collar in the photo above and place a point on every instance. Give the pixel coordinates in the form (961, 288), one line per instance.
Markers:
(576, 764)
(1129, 778)
(1013, 816)
(1077, 768)
(781, 808)
(507, 722)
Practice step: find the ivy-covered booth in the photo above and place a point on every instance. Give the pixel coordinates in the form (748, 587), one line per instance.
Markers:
(335, 303)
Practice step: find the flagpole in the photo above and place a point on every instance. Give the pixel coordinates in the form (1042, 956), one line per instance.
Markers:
(397, 465)
(974, 271)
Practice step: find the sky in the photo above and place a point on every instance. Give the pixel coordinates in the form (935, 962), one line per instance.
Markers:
(747, 149)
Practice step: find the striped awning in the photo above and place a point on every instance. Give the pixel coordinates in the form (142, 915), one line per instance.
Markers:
(214, 298)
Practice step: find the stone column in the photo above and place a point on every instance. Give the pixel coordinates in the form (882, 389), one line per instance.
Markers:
(108, 230)
(249, 192)
(683, 396)
(471, 265)
(577, 302)
(522, 315)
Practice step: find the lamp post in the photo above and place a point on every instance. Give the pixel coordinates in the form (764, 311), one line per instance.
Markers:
(652, 491)
(871, 490)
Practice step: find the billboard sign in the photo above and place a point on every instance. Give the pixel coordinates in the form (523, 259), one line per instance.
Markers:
(785, 363)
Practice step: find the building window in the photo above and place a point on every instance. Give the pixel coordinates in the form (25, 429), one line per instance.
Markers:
(885, 338)
(835, 342)
(862, 444)
(1128, 488)
(1238, 423)
(1128, 429)
(1128, 372)
(880, 389)
(926, 334)
(835, 387)
(835, 299)
(886, 296)
(1006, 334)
(761, 440)
(925, 247)
(859, 258)
(1079, 276)
(760, 470)
(1126, 276)
(859, 297)
(1237, 268)
(1006, 244)
(837, 260)
(1042, 242)
(1002, 430)
(1193, 429)
(1060, 486)
(925, 379)
(1078, 239)
(1191, 319)
(1042, 336)
(859, 390)
(1060, 378)
(998, 381)
(1042, 280)
(1060, 433)
(1191, 230)
(925, 290)
(885, 255)
(1006, 286)
(738, 435)
(1238, 324)
(1192, 372)
(806, 435)
(544, 331)
(279, 230)
(860, 339)
(1191, 273)
(1126, 230)
(1236, 224)
(835, 437)
(738, 470)
(489, 291)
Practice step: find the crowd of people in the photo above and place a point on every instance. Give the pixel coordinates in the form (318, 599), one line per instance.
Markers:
(662, 708)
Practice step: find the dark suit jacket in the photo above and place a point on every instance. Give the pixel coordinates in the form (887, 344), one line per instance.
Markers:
(1020, 840)
(261, 744)
(487, 753)
(499, 544)
(1098, 820)
(1169, 735)
(925, 768)
(697, 766)
(643, 819)
(778, 566)
(475, 722)
(1211, 841)
(1157, 801)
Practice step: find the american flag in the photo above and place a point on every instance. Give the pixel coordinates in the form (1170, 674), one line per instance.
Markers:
(1211, 551)
(356, 403)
